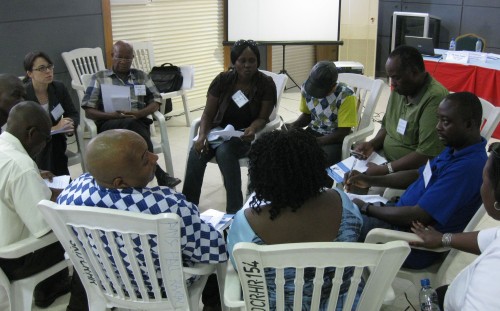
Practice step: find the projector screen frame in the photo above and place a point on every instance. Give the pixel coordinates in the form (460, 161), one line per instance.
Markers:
(244, 13)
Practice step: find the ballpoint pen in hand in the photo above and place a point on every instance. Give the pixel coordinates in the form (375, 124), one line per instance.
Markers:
(352, 168)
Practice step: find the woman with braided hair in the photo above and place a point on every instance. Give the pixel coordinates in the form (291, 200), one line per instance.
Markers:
(291, 205)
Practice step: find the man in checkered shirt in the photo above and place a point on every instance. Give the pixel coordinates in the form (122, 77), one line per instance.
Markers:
(144, 97)
(120, 168)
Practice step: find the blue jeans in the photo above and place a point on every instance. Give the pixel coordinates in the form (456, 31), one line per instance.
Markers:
(227, 156)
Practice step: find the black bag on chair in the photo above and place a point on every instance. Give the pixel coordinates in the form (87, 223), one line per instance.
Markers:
(167, 77)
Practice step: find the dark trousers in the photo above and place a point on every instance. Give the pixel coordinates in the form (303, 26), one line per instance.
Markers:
(30, 264)
(140, 126)
(227, 156)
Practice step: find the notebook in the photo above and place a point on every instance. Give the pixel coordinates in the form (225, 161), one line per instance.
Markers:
(424, 45)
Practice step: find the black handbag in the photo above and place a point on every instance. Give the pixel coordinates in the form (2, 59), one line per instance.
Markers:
(167, 77)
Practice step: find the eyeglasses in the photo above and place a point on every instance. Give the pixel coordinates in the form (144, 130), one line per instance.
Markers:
(245, 42)
(495, 149)
(123, 60)
(44, 68)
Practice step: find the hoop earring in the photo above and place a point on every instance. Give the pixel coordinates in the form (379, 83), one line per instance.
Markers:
(496, 206)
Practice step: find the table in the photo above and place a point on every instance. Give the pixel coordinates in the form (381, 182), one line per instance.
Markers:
(482, 79)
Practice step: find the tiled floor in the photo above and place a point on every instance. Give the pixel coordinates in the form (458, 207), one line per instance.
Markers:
(213, 193)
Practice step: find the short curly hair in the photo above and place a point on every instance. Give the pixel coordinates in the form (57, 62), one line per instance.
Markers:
(286, 169)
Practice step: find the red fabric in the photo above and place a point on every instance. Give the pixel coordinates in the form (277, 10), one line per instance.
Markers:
(484, 82)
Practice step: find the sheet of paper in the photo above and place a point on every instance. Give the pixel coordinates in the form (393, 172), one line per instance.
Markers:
(217, 219)
(62, 130)
(337, 171)
(461, 57)
(58, 182)
(224, 133)
(187, 71)
(115, 97)
(369, 198)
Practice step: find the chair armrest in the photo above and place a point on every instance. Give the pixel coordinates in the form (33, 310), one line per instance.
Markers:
(26, 246)
(359, 135)
(193, 131)
(172, 94)
(77, 86)
(232, 289)
(200, 269)
(379, 235)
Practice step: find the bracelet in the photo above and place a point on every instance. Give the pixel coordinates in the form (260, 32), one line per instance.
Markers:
(389, 168)
(446, 239)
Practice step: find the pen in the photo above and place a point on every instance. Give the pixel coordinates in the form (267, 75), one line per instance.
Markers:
(352, 168)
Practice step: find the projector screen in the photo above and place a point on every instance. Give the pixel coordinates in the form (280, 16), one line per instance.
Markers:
(283, 20)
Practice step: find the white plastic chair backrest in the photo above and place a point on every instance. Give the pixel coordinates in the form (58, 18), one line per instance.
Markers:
(383, 260)
(144, 58)
(83, 61)
(491, 117)
(107, 275)
(280, 81)
(367, 91)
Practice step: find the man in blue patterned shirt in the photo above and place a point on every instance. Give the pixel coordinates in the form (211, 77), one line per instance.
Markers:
(120, 168)
(144, 96)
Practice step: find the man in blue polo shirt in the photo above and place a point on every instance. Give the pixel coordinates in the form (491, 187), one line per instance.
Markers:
(444, 193)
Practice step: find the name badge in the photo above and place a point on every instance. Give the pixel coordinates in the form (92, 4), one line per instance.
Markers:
(240, 99)
(57, 112)
(427, 173)
(140, 90)
(402, 126)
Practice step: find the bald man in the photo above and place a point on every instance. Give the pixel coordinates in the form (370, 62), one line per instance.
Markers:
(120, 167)
(11, 92)
(21, 188)
(145, 100)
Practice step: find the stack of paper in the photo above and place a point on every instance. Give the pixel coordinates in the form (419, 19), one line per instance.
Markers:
(58, 182)
(337, 171)
(217, 219)
(218, 135)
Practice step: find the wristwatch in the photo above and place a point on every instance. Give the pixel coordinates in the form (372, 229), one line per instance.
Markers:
(364, 209)
(389, 168)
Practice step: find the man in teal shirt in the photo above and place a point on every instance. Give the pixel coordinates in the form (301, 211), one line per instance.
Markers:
(408, 135)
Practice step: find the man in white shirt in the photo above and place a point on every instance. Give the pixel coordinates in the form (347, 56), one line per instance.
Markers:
(21, 188)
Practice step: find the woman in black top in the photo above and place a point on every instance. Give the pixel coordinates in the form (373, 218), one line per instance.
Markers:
(54, 97)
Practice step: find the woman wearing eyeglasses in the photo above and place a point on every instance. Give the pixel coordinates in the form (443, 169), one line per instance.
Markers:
(476, 286)
(54, 97)
(244, 98)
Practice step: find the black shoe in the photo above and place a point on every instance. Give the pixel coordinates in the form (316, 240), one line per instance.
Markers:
(45, 298)
(164, 179)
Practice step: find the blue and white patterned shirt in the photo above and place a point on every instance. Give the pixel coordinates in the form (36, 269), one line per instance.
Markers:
(200, 242)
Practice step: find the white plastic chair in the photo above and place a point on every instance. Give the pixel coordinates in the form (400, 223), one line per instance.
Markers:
(274, 123)
(83, 61)
(436, 272)
(144, 58)
(382, 261)
(162, 147)
(20, 292)
(368, 92)
(187, 84)
(491, 117)
(109, 279)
